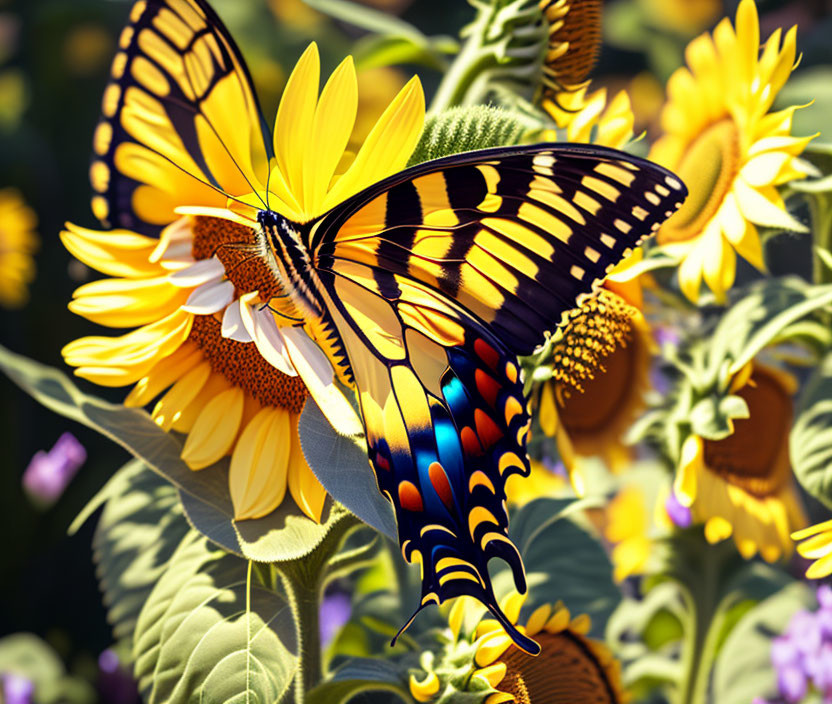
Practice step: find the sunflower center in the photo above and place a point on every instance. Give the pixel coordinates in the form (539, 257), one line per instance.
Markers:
(566, 671)
(756, 456)
(577, 24)
(244, 367)
(708, 169)
(235, 246)
(596, 330)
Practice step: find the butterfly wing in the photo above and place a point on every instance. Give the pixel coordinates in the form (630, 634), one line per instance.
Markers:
(180, 121)
(436, 279)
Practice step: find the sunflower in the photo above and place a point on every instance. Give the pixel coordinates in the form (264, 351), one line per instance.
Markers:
(816, 544)
(542, 481)
(600, 374)
(685, 17)
(571, 667)
(213, 335)
(732, 153)
(17, 243)
(572, 49)
(627, 528)
(742, 485)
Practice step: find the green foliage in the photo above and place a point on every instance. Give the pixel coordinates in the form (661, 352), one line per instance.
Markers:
(743, 670)
(285, 534)
(810, 443)
(340, 464)
(459, 130)
(26, 655)
(140, 528)
(197, 639)
(360, 675)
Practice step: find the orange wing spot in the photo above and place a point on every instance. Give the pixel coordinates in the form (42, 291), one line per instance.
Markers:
(441, 484)
(480, 478)
(383, 462)
(409, 497)
(470, 443)
(512, 409)
(487, 353)
(487, 429)
(488, 387)
(511, 372)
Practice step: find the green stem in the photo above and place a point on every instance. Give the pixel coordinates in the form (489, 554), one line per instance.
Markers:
(820, 208)
(303, 582)
(703, 630)
(469, 63)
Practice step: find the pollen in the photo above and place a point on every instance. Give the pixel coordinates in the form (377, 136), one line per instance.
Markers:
(595, 330)
(244, 367)
(236, 247)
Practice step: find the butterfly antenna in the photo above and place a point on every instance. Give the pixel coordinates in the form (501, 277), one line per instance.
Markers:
(268, 181)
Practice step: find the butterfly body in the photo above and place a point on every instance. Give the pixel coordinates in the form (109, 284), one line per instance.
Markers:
(421, 289)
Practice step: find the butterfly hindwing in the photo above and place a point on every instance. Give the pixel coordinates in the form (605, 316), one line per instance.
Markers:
(180, 122)
(446, 424)
(437, 278)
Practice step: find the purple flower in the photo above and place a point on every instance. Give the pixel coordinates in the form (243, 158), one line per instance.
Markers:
(335, 612)
(680, 515)
(49, 473)
(115, 683)
(17, 689)
(791, 681)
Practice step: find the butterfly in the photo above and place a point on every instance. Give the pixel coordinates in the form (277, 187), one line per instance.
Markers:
(422, 289)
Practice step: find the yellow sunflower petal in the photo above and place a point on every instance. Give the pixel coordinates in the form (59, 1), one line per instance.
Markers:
(295, 116)
(304, 486)
(493, 674)
(127, 303)
(331, 129)
(259, 465)
(171, 405)
(215, 428)
(820, 569)
(689, 464)
(812, 530)
(163, 374)
(816, 547)
(114, 252)
(424, 690)
(387, 147)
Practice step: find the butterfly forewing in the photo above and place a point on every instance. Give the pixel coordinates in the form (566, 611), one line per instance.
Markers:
(180, 122)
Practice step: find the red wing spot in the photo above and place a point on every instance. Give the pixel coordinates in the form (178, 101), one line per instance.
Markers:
(487, 353)
(383, 462)
(470, 442)
(409, 497)
(488, 387)
(441, 484)
(487, 429)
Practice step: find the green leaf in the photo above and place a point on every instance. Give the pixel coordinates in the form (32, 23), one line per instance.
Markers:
(284, 534)
(743, 669)
(195, 641)
(27, 655)
(139, 530)
(712, 418)
(367, 18)
(465, 129)
(341, 465)
(376, 51)
(756, 320)
(360, 675)
(563, 562)
(810, 443)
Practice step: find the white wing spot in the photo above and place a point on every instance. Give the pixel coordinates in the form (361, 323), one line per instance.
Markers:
(607, 240)
(661, 190)
(577, 272)
(639, 212)
(652, 198)
(673, 183)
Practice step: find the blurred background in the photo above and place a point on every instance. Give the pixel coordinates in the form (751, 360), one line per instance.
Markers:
(54, 63)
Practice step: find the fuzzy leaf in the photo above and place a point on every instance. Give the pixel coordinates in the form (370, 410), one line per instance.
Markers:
(341, 465)
(285, 534)
(810, 443)
(194, 641)
(360, 675)
(139, 530)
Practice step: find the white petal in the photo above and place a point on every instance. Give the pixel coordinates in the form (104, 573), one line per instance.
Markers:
(316, 371)
(232, 323)
(210, 298)
(269, 341)
(202, 272)
(177, 232)
(176, 254)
